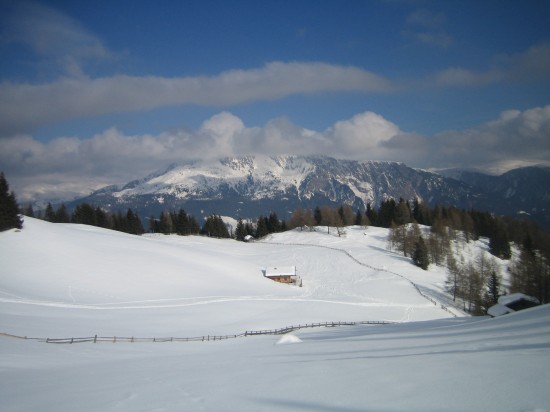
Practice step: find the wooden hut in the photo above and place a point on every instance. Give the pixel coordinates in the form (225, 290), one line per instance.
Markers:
(282, 274)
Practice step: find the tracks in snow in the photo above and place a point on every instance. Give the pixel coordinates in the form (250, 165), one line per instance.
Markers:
(378, 269)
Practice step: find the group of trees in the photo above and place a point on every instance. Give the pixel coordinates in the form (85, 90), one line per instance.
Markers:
(180, 223)
(263, 227)
(9, 209)
(332, 217)
(477, 282)
(87, 214)
(214, 226)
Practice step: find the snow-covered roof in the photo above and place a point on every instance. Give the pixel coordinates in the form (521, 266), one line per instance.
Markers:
(514, 297)
(512, 303)
(498, 310)
(280, 271)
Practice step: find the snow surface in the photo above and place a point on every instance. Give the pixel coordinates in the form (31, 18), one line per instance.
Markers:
(74, 281)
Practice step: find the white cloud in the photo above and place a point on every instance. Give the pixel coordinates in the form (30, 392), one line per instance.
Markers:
(515, 138)
(458, 76)
(362, 133)
(24, 107)
(531, 65)
(73, 166)
(53, 37)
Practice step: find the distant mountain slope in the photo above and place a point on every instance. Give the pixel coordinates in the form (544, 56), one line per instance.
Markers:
(250, 186)
(520, 191)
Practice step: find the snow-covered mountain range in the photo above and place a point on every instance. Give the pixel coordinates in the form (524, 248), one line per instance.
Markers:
(252, 185)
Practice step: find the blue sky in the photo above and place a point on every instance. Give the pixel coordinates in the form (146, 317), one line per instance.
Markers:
(93, 93)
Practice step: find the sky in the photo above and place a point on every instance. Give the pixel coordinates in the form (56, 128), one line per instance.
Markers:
(103, 92)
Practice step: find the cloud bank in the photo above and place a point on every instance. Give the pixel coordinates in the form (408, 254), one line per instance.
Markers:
(66, 167)
(25, 107)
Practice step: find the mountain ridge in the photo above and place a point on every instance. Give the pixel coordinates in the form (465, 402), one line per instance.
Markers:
(247, 186)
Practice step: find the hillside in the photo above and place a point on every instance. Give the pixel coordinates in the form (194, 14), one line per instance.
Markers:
(61, 280)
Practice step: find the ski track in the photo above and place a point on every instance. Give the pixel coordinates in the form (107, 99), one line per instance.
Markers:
(377, 269)
(111, 306)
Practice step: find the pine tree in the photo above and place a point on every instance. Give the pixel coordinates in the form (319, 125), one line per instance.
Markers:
(28, 211)
(50, 214)
(165, 223)
(261, 228)
(61, 214)
(240, 231)
(134, 225)
(386, 213)
(371, 215)
(84, 214)
(493, 290)
(102, 218)
(215, 227)
(273, 223)
(499, 244)
(9, 209)
(317, 216)
(420, 254)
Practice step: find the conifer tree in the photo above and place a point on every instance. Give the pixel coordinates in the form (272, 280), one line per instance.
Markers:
(261, 228)
(371, 215)
(165, 223)
(133, 223)
(84, 214)
(215, 227)
(102, 218)
(9, 209)
(29, 211)
(499, 244)
(61, 214)
(317, 216)
(420, 254)
(493, 290)
(240, 231)
(49, 216)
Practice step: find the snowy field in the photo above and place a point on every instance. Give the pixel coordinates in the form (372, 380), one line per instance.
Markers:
(63, 281)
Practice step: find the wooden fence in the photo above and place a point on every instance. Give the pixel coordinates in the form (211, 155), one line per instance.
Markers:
(206, 338)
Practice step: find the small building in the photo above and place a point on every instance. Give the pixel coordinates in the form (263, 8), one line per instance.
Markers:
(512, 303)
(283, 274)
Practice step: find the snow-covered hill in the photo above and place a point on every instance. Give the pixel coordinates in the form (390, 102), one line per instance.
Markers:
(72, 281)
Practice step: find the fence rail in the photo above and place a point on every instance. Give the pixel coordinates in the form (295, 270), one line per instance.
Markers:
(206, 338)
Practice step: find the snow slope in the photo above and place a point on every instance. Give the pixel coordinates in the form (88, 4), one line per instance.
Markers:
(74, 281)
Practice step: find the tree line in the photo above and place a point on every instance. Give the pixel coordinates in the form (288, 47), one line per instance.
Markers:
(427, 236)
